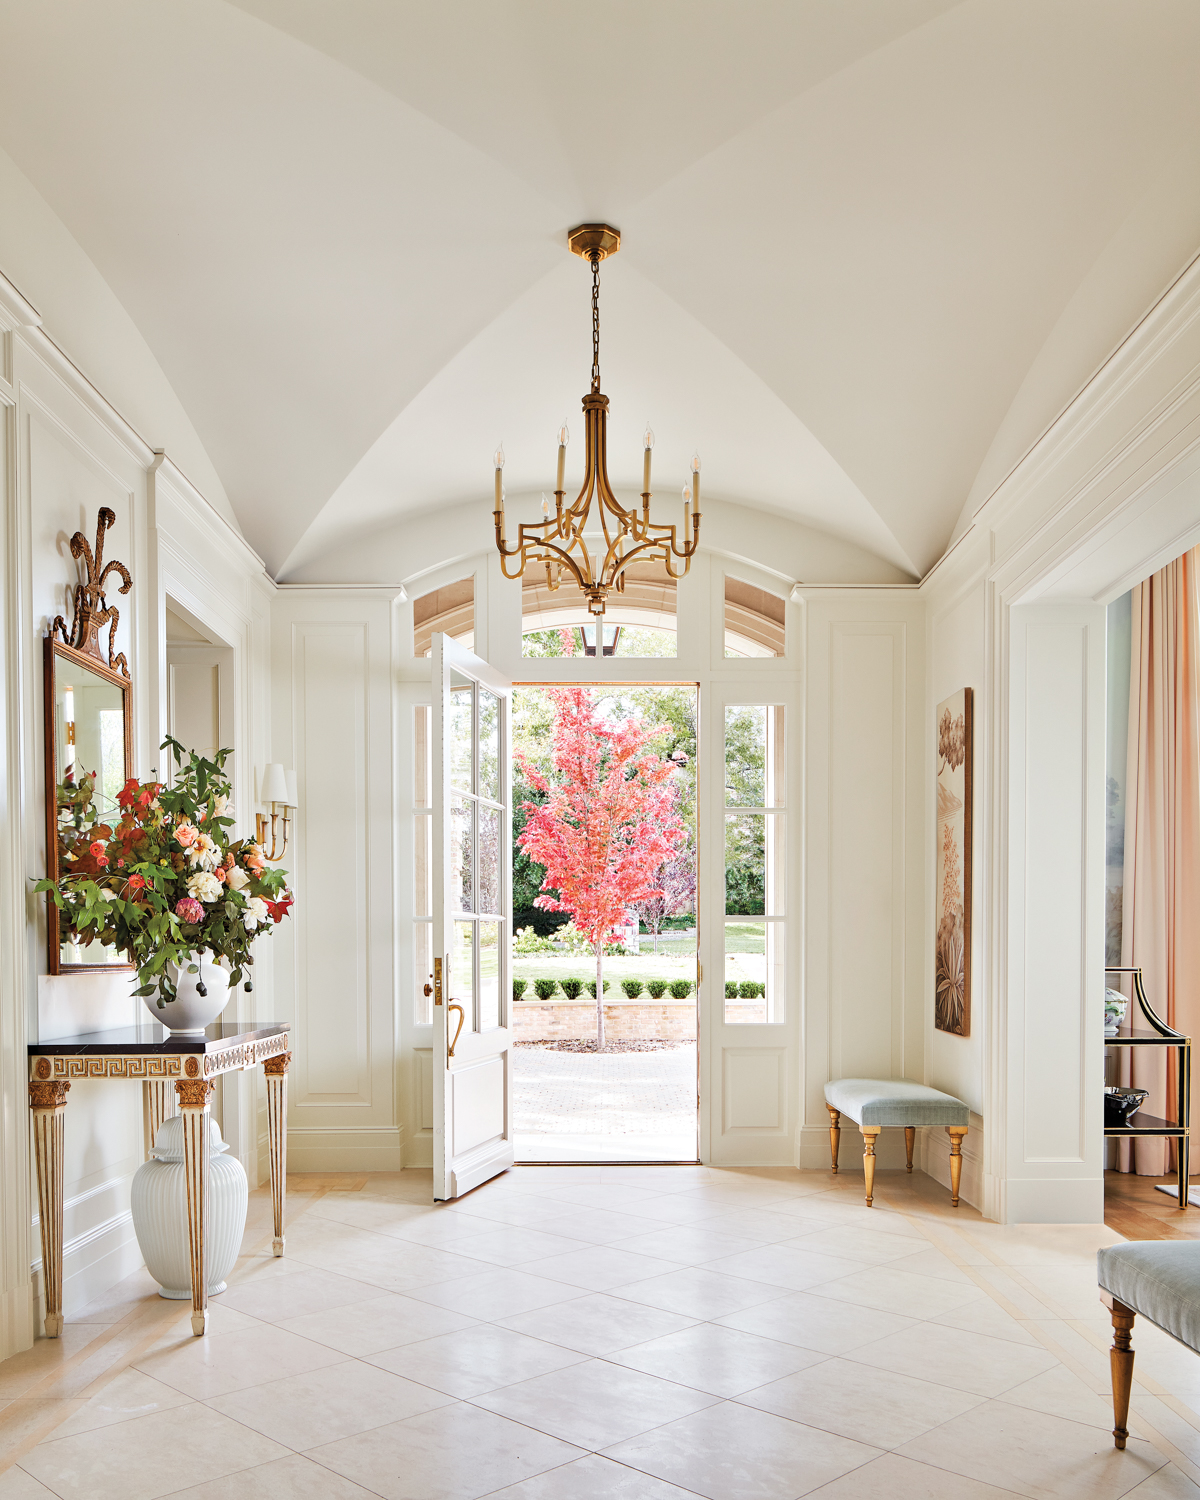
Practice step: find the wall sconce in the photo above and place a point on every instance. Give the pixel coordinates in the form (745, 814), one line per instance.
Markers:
(279, 789)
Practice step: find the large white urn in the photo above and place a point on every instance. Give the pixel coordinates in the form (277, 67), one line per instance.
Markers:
(199, 998)
(158, 1201)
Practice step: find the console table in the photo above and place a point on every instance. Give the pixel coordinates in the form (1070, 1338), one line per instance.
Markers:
(1159, 1034)
(151, 1055)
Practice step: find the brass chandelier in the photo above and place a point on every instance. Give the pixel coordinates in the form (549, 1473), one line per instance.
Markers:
(557, 541)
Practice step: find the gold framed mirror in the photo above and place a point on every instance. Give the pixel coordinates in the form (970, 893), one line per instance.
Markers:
(88, 707)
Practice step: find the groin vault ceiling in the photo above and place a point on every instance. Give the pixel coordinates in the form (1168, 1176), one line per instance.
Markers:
(870, 250)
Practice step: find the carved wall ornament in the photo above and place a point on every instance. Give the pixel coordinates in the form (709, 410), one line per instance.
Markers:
(51, 1095)
(92, 611)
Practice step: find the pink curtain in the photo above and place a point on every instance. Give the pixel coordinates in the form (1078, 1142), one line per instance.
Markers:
(1161, 921)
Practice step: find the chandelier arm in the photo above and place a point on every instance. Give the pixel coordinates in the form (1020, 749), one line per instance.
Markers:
(562, 558)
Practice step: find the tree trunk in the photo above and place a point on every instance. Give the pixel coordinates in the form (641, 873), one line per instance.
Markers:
(656, 942)
(599, 996)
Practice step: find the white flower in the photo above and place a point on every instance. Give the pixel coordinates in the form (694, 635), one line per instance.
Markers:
(256, 912)
(204, 853)
(204, 887)
(237, 879)
(220, 804)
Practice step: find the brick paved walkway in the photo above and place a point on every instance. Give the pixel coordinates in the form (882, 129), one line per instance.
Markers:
(617, 1106)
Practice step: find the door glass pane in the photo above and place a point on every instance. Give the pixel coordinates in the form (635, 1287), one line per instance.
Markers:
(422, 865)
(423, 971)
(745, 864)
(489, 975)
(754, 953)
(745, 755)
(460, 732)
(489, 745)
(422, 789)
(489, 859)
(461, 988)
(462, 871)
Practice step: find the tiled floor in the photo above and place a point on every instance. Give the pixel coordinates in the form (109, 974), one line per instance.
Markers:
(626, 1333)
(606, 1106)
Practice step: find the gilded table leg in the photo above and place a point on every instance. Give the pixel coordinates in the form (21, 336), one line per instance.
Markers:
(910, 1136)
(1121, 1356)
(869, 1134)
(157, 1105)
(835, 1135)
(48, 1104)
(956, 1133)
(275, 1069)
(194, 1095)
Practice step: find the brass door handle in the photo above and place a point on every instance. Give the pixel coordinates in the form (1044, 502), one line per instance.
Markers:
(429, 989)
(462, 1016)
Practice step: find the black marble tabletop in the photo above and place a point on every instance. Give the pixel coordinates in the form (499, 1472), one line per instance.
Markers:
(154, 1039)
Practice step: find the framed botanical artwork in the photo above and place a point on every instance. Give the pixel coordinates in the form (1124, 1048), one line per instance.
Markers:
(952, 913)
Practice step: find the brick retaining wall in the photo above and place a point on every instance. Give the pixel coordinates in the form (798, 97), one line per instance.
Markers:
(624, 1020)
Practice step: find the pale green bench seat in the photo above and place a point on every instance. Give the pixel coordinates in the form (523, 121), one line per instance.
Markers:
(875, 1103)
(1159, 1279)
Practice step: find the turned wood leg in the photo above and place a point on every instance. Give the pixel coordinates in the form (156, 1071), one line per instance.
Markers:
(1121, 1356)
(275, 1069)
(48, 1106)
(956, 1133)
(910, 1136)
(869, 1133)
(158, 1104)
(194, 1096)
(835, 1135)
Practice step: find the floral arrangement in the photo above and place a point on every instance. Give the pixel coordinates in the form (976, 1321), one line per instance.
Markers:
(164, 881)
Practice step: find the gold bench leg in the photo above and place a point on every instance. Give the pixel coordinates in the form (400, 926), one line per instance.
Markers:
(910, 1136)
(956, 1133)
(835, 1135)
(869, 1133)
(1121, 1356)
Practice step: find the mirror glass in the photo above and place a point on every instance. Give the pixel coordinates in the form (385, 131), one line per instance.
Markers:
(89, 740)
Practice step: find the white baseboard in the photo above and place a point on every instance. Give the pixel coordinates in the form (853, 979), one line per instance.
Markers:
(419, 1151)
(93, 1263)
(17, 1307)
(322, 1150)
(815, 1154)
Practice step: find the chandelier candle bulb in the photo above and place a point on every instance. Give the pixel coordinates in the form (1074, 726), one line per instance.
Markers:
(696, 483)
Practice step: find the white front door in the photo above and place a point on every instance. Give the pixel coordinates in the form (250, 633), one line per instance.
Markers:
(472, 921)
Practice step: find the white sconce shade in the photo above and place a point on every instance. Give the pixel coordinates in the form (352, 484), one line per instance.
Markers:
(274, 784)
(293, 799)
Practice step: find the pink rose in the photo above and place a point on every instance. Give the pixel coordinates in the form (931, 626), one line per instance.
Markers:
(186, 835)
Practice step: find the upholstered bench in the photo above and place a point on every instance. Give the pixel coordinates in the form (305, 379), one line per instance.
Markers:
(1159, 1279)
(875, 1103)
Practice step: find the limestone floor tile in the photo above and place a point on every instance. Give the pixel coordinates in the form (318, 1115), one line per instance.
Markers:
(291, 1478)
(378, 1215)
(704, 1208)
(931, 1262)
(458, 1452)
(870, 1246)
(597, 1226)
(818, 1323)
(1149, 1414)
(721, 1361)
(600, 1268)
(509, 1245)
(20, 1373)
(889, 1290)
(1167, 1484)
(302, 1411)
(149, 1456)
(1061, 1393)
(594, 1404)
(1043, 1244)
(697, 1292)
(15, 1484)
(988, 1317)
(732, 1452)
(871, 1406)
(275, 1298)
(30, 1419)
(379, 1323)
(521, 1209)
(119, 1301)
(1044, 1457)
(687, 1244)
(755, 1224)
(592, 1478)
(495, 1294)
(894, 1478)
(788, 1265)
(129, 1394)
(438, 1228)
(951, 1356)
(617, 1197)
(214, 1366)
(382, 1261)
(598, 1324)
(477, 1359)
(1070, 1291)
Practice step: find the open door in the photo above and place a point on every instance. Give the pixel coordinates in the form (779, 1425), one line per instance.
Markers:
(472, 921)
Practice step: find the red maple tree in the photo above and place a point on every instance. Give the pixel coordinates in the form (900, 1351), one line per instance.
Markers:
(607, 825)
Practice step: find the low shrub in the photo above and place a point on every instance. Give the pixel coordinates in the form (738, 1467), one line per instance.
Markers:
(657, 988)
(591, 988)
(681, 988)
(571, 988)
(731, 989)
(750, 990)
(519, 988)
(527, 941)
(545, 988)
(632, 987)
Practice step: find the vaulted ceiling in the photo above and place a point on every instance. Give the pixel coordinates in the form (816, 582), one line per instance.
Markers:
(870, 250)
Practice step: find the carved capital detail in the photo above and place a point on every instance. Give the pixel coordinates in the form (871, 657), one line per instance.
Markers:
(276, 1067)
(194, 1093)
(48, 1095)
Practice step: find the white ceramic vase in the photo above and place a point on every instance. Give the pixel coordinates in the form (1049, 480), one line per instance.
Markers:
(190, 1011)
(158, 1201)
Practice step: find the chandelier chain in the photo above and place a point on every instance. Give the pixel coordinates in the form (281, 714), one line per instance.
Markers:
(595, 259)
